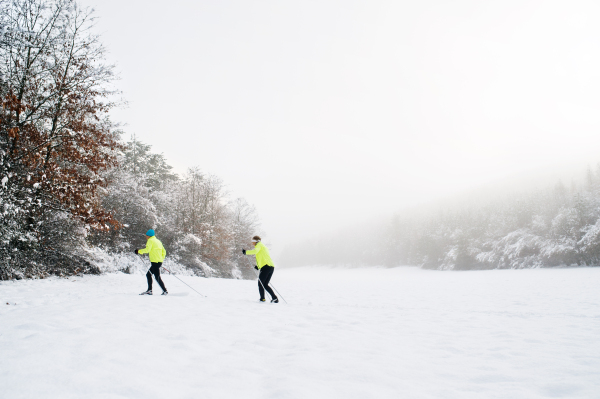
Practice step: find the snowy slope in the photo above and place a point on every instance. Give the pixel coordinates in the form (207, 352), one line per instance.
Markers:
(359, 333)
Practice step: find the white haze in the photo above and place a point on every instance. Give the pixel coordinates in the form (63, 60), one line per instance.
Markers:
(322, 113)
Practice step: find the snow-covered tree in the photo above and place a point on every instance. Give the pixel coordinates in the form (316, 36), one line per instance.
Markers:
(199, 227)
(55, 137)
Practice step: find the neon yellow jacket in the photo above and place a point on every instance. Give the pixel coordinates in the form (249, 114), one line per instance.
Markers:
(262, 255)
(155, 250)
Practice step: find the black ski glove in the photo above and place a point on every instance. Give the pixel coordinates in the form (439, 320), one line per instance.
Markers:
(244, 251)
(136, 251)
(256, 267)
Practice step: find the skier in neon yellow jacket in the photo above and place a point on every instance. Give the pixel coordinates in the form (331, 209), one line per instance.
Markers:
(265, 267)
(156, 252)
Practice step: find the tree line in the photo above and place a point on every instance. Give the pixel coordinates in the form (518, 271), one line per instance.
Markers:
(556, 226)
(69, 182)
(200, 227)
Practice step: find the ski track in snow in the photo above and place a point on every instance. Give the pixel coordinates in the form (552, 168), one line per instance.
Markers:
(346, 333)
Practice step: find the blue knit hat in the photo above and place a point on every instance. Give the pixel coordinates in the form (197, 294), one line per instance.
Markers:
(150, 233)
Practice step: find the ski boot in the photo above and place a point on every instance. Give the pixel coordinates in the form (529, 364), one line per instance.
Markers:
(275, 300)
(149, 292)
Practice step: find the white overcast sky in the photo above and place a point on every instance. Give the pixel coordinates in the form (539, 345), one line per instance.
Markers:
(325, 112)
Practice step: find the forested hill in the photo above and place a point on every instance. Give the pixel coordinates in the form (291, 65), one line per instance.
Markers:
(556, 226)
(69, 185)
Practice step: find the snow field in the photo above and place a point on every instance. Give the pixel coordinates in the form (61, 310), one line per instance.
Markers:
(346, 333)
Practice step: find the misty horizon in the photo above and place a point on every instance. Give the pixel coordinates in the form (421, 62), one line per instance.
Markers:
(325, 113)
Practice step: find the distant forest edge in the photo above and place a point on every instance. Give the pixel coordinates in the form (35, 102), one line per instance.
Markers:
(557, 226)
(75, 198)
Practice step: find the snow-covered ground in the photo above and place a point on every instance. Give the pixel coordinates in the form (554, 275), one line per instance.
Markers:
(358, 333)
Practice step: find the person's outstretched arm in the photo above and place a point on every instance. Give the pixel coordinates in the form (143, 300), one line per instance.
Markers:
(147, 249)
(254, 251)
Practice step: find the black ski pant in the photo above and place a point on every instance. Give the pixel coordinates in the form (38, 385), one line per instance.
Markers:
(155, 269)
(264, 276)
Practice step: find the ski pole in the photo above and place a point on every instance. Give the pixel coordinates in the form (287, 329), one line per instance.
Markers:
(261, 283)
(183, 281)
(278, 294)
(140, 258)
(271, 284)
